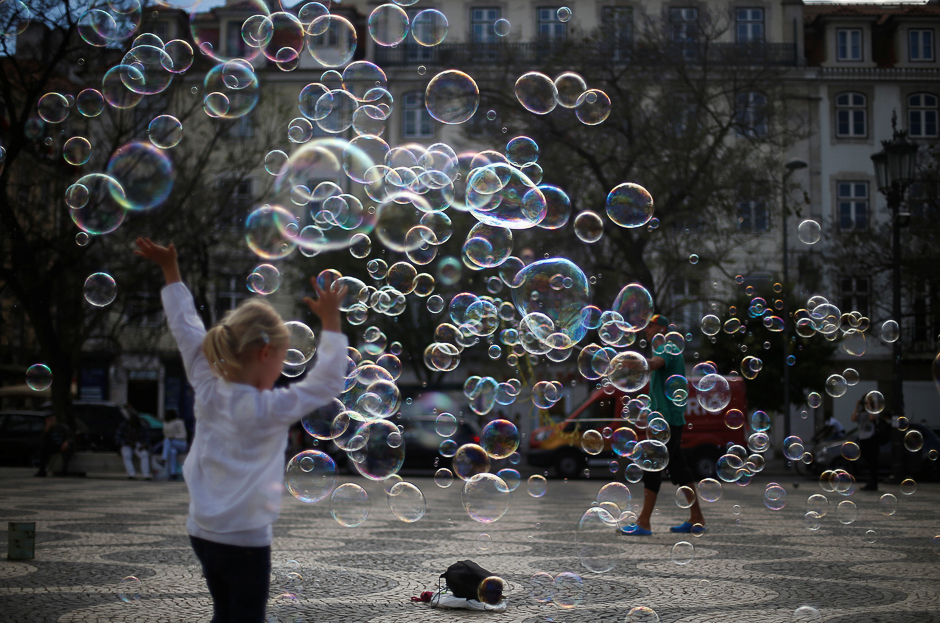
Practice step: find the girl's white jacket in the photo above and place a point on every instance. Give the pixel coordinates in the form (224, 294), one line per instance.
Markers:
(235, 468)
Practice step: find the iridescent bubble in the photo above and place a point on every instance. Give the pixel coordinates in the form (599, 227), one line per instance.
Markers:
(491, 590)
(76, 151)
(682, 554)
(429, 27)
(775, 497)
(443, 478)
(714, 393)
(846, 512)
(331, 40)
(809, 232)
(100, 289)
(888, 503)
(129, 589)
(502, 27)
(913, 440)
(836, 385)
(890, 332)
(310, 476)
(593, 107)
(650, 455)
(165, 131)
(406, 502)
(350, 505)
(470, 460)
(499, 438)
(597, 537)
(806, 614)
(485, 497)
(39, 377)
(568, 590)
(908, 486)
(709, 489)
(90, 103)
(53, 108)
(588, 227)
(452, 97)
(145, 174)
(536, 92)
(635, 305)
(271, 232)
(388, 25)
(536, 486)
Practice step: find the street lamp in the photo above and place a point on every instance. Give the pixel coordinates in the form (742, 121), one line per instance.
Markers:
(792, 165)
(894, 172)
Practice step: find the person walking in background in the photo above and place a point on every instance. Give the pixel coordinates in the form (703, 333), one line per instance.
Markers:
(235, 468)
(867, 442)
(133, 435)
(174, 442)
(56, 439)
(662, 367)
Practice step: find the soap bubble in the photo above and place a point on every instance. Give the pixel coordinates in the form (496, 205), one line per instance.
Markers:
(265, 279)
(890, 331)
(846, 512)
(597, 537)
(588, 227)
(714, 393)
(53, 108)
(642, 614)
(76, 151)
(165, 131)
(775, 497)
(443, 478)
(452, 97)
(39, 377)
(542, 587)
(406, 502)
(908, 486)
(350, 505)
(630, 205)
(592, 442)
(888, 504)
(913, 440)
(310, 476)
(502, 27)
(569, 86)
(836, 385)
(485, 497)
(568, 590)
(536, 92)
(536, 486)
(806, 614)
(429, 27)
(650, 455)
(709, 489)
(682, 553)
(499, 438)
(818, 504)
(100, 289)
(145, 174)
(635, 304)
(809, 232)
(593, 107)
(129, 590)
(470, 460)
(388, 25)
(331, 40)
(491, 590)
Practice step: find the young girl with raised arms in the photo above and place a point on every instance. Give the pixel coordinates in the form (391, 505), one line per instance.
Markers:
(235, 468)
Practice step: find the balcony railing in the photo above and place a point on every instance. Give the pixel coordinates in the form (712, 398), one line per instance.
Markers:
(467, 54)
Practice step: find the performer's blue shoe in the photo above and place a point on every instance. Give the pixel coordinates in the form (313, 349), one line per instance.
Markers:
(684, 528)
(635, 531)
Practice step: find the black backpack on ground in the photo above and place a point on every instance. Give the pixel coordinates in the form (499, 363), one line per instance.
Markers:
(463, 578)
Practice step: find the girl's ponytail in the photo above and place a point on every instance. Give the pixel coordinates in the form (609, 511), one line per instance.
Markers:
(249, 326)
(219, 350)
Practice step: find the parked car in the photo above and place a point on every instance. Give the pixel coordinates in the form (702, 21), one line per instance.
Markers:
(558, 444)
(916, 464)
(20, 432)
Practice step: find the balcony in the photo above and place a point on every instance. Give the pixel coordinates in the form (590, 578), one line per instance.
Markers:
(469, 54)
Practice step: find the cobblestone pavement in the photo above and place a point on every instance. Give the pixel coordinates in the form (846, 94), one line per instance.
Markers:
(92, 532)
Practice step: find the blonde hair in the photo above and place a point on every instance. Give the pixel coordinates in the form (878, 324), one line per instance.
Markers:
(248, 327)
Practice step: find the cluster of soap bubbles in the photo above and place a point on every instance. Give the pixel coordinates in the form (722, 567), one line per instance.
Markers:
(372, 197)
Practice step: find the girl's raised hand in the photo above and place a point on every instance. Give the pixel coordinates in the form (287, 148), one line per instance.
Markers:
(326, 305)
(164, 257)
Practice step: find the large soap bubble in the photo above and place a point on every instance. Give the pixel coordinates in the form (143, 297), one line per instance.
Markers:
(452, 97)
(597, 539)
(310, 476)
(533, 292)
(144, 173)
(630, 205)
(635, 304)
(486, 497)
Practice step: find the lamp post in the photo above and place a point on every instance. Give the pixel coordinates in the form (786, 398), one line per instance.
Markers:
(792, 165)
(894, 172)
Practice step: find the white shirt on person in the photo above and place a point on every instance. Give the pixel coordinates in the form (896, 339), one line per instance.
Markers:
(174, 429)
(235, 467)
